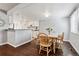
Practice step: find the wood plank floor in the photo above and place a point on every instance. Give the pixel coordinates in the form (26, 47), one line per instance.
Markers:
(30, 49)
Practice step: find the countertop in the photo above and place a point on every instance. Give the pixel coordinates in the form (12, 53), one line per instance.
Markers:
(16, 29)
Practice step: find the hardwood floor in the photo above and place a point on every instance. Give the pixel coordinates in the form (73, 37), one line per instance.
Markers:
(30, 49)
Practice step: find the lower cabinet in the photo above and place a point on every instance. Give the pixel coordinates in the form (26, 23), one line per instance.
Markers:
(19, 37)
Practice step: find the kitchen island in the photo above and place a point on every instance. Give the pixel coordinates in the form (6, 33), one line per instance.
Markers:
(17, 37)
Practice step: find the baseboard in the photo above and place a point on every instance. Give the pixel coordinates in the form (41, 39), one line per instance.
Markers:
(11, 44)
(19, 44)
(74, 47)
(66, 40)
(22, 43)
(15, 46)
(3, 43)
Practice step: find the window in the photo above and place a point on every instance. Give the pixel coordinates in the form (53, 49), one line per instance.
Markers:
(75, 22)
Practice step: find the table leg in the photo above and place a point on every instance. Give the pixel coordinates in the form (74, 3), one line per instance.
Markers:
(54, 47)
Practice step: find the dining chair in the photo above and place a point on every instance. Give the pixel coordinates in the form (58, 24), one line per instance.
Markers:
(45, 43)
(61, 36)
(38, 40)
(59, 41)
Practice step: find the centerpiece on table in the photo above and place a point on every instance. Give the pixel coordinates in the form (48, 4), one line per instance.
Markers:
(49, 29)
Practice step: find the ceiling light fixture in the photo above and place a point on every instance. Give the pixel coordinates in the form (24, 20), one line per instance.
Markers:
(47, 14)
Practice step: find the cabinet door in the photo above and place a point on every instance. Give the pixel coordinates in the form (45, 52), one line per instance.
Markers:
(11, 37)
(23, 36)
(3, 37)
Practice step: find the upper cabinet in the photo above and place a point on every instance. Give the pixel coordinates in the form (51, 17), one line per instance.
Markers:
(19, 20)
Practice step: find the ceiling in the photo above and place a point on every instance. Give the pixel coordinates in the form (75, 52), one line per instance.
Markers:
(7, 6)
(43, 10)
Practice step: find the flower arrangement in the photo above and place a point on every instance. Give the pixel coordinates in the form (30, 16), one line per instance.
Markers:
(49, 29)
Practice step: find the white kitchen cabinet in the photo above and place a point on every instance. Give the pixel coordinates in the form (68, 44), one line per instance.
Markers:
(19, 37)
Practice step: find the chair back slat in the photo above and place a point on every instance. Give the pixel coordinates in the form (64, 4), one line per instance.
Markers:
(43, 38)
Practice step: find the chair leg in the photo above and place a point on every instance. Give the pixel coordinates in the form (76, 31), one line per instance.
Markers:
(40, 50)
(47, 51)
(54, 48)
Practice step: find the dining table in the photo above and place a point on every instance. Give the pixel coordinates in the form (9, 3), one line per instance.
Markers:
(56, 42)
(53, 39)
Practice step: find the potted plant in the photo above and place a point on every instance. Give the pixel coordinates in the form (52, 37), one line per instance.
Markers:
(49, 29)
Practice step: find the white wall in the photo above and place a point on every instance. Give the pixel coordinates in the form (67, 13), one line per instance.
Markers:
(59, 25)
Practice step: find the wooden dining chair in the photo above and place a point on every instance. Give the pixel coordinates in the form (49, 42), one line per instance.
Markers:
(59, 41)
(45, 44)
(38, 38)
(61, 36)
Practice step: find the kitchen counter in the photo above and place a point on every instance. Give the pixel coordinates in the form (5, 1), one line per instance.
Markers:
(17, 37)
